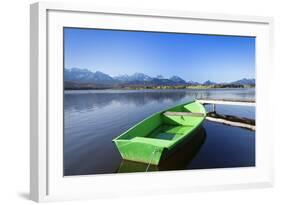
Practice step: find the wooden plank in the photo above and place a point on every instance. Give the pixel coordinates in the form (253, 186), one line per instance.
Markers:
(227, 102)
(232, 118)
(195, 114)
(231, 123)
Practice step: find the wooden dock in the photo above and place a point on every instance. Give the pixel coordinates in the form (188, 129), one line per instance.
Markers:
(227, 102)
(229, 119)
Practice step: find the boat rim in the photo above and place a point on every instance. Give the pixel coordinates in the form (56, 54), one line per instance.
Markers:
(159, 112)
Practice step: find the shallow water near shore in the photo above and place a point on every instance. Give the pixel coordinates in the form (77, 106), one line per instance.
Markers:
(92, 118)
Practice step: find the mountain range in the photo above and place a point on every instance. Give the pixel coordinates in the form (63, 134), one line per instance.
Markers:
(85, 76)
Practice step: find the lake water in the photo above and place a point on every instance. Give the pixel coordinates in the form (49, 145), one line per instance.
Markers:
(92, 118)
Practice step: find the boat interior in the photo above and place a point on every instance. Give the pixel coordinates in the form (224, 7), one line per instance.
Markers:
(165, 128)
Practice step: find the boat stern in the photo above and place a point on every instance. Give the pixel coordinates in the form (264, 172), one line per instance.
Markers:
(139, 151)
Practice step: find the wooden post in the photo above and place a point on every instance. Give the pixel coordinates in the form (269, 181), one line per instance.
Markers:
(214, 107)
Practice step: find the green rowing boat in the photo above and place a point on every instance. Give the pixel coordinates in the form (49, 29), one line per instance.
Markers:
(156, 137)
(179, 160)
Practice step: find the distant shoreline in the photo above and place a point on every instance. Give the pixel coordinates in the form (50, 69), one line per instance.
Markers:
(91, 86)
(188, 88)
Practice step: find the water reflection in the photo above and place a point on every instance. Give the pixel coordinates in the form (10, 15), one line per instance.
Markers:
(99, 99)
(93, 118)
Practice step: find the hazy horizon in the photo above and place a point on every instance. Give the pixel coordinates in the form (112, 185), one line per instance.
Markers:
(193, 57)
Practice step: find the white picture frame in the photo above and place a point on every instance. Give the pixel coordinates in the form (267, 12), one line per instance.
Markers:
(46, 179)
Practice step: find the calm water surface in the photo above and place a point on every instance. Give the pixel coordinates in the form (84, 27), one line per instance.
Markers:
(93, 118)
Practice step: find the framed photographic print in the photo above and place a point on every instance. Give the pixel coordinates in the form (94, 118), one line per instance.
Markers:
(127, 102)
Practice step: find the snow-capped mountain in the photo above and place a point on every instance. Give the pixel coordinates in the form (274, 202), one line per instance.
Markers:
(86, 76)
(245, 81)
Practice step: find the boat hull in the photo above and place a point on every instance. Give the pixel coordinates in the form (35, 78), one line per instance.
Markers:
(141, 152)
(178, 159)
(158, 136)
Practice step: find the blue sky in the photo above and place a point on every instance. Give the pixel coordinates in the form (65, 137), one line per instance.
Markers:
(190, 56)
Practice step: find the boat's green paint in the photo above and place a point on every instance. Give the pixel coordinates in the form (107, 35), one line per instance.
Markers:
(155, 137)
(179, 160)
